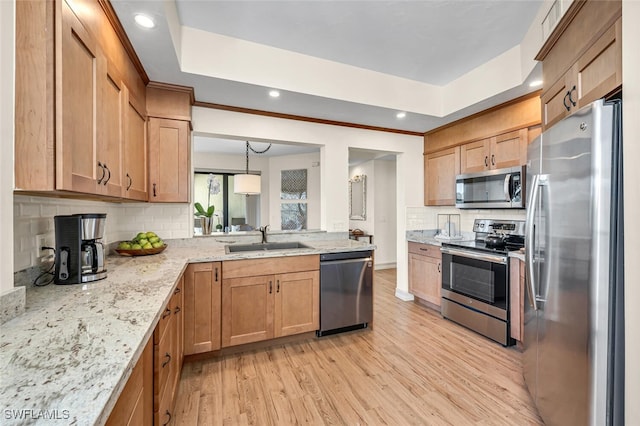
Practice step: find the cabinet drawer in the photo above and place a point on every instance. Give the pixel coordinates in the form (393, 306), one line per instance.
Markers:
(425, 250)
(271, 265)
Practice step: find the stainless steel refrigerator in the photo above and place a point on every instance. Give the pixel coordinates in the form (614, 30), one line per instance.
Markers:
(574, 329)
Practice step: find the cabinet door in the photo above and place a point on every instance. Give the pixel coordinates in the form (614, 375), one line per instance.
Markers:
(168, 160)
(135, 150)
(474, 156)
(247, 309)
(516, 297)
(297, 303)
(202, 292)
(599, 70)
(77, 63)
(555, 104)
(441, 169)
(509, 149)
(425, 279)
(110, 130)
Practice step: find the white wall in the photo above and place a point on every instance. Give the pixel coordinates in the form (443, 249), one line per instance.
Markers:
(384, 206)
(367, 169)
(292, 162)
(7, 64)
(334, 142)
(631, 130)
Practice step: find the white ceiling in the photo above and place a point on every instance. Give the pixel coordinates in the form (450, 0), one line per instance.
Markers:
(427, 42)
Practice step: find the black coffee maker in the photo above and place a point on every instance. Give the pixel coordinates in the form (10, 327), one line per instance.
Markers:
(79, 249)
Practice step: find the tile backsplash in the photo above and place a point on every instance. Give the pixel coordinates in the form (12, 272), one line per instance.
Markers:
(421, 217)
(33, 216)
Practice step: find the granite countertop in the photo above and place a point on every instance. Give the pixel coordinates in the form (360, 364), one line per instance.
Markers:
(70, 354)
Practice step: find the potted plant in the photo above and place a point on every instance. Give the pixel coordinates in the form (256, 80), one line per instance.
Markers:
(206, 215)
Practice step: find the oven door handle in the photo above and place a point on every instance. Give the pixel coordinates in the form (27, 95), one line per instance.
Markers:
(477, 256)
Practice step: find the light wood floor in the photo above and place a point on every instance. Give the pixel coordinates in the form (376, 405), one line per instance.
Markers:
(413, 367)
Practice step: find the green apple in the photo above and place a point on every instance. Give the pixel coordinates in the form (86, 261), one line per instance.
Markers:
(136, 246)
(151, 235)
(154, 239)
(147, 245)
(143, 241)
(156, 245)
(141, 236)
(124, 245)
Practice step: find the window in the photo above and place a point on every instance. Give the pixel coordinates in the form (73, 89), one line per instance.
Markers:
(230, 209)
(293, 199)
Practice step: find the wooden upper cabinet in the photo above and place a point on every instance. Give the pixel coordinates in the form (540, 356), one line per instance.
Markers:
(110, 129)
(582, 62)
(76, 107)
(202, 293)
(440, 173)
(498, 152)
(135, 150)
(168, 160)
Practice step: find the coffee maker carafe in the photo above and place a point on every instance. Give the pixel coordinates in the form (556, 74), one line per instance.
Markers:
(79, 248)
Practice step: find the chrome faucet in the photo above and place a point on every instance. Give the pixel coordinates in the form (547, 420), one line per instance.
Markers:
(263, 229)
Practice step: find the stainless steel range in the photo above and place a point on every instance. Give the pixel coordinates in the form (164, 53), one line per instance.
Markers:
(475, 278)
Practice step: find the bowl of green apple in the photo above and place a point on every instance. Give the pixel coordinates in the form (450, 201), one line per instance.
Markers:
(143, 244)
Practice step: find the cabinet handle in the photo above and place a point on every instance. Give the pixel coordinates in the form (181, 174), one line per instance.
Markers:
(270, 287)
(130, 181)
(278, 286)
(424, 249)
(103, 173)
(167, 413)
(177, 310)
(154, 190)
(486, 161)
(167, 357)
(439, 268)
(216, 274)
(493, 159)
(564, 101)
(177, 290)
(573, 89)
(166, 313)
(108, 176)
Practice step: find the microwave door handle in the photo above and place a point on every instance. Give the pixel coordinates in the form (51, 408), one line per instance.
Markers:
(528, 243)
(507, 187)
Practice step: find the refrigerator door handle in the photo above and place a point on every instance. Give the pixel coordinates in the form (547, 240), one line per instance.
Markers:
(507, 187)
(529, 251)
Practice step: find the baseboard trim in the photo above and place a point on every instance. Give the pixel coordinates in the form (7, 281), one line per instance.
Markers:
(403, 295)
(390, 265)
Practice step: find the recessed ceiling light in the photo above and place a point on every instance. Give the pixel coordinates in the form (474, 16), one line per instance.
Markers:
(144, 21)
(274, 93)
(401, 115)
(535, 83)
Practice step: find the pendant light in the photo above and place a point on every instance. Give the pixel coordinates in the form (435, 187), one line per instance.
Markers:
(246, 183)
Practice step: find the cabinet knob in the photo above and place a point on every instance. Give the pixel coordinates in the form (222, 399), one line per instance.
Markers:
(177, 310)
(177, 290)
(103, 172)
(570, 93)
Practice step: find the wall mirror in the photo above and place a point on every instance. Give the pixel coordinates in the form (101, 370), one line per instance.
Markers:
(357, 198)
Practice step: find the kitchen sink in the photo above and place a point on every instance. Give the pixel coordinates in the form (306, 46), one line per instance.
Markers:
(285, 245)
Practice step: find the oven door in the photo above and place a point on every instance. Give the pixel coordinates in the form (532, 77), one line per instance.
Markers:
(475, 274)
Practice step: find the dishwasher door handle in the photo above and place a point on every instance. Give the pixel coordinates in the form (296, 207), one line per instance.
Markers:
(335, 262)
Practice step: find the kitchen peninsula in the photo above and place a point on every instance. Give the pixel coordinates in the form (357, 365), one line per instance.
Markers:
(85, 340)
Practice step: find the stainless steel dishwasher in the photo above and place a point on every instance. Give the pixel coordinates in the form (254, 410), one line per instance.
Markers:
(346, 291)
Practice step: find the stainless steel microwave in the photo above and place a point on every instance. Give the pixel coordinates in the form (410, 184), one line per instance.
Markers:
(492, 189)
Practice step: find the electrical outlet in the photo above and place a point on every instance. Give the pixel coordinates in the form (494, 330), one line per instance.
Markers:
(40, 242)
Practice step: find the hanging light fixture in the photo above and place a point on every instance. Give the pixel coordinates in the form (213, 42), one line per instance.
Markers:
(245, 183)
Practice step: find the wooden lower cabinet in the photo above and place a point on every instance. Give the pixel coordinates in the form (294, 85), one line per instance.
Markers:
(202, 292)
(516, 297)
(425, 272)
(167, 358)
(261, 307)
(134, 406)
